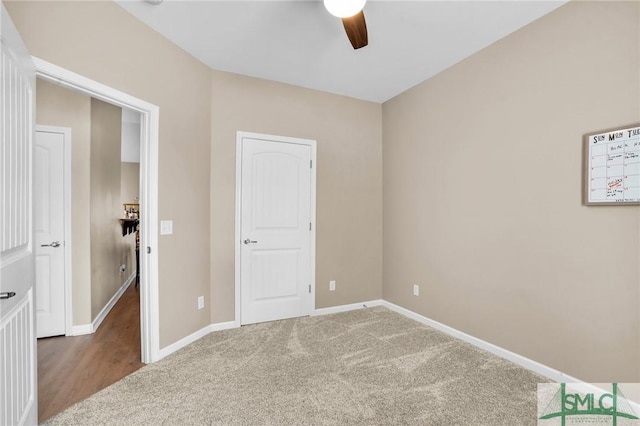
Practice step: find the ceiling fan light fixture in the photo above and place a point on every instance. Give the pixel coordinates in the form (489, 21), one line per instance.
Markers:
(344, 8)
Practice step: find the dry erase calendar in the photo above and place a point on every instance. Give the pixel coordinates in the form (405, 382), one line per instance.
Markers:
(613, 167)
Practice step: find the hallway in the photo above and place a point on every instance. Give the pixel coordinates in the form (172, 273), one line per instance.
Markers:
(73, 368)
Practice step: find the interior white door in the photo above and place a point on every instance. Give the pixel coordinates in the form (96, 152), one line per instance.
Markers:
(18, 402)
(49, 232)
(275, 255)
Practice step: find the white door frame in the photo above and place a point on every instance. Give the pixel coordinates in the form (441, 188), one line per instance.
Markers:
(238, 245)
(68, 289)
(150, 120)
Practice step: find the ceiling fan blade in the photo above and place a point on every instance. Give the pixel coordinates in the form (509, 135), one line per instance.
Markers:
(356, 28)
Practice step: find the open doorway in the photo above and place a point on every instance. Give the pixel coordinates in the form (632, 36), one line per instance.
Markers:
(87, 202)
(149, 129)
(87, 208)
(145, 305)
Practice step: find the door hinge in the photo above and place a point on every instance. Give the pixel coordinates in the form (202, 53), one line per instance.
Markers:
(148, 250)
(311, 164)
(309, 288)
(309, 226)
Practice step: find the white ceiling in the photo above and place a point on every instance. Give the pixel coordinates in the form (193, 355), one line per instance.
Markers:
(300, 43)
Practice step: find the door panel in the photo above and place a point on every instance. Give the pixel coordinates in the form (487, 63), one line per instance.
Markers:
(275, 274)
(49, 233)
(275, 218)
(17, 335)
(276, 179)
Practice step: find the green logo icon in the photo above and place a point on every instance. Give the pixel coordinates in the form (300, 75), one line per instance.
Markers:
(566, 404)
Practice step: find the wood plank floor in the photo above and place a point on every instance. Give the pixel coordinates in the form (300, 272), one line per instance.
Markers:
(72, 368)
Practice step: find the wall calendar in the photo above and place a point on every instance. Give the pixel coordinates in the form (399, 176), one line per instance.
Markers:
(612, 174)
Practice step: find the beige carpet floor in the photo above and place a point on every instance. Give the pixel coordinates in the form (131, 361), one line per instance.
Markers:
(366, 367)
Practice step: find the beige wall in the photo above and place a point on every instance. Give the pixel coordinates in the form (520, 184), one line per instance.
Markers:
(56, 106)
(107, 249)
(103, 42)
(482, 194)
(349, 182)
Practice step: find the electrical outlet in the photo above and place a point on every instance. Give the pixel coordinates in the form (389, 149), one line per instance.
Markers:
(332, 285)
(416, 290)
(201, 302)
(123, 268)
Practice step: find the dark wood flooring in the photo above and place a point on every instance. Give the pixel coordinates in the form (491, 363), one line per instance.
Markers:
(72, 368)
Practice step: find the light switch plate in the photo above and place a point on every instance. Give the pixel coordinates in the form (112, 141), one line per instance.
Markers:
(166, 227)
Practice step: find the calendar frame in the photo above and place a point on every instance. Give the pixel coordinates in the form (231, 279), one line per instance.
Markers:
(607, 137)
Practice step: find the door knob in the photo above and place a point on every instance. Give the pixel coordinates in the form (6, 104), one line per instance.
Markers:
(248, 241)
(7, 294)
(53, 244)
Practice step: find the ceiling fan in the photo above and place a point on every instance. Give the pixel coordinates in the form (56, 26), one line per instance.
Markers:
(350, 11)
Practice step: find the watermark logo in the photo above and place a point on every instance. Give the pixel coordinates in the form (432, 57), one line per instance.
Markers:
(584, 404)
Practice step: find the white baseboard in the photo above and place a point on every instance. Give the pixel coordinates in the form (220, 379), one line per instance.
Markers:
(219, 326)
(80, 330)
(522, 361)
(346, 308)
(107, 308)
(168, 350)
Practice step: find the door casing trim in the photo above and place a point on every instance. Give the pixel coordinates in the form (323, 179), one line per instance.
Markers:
(240, 135)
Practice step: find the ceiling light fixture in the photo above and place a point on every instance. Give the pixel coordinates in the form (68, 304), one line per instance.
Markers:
(344, 8)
